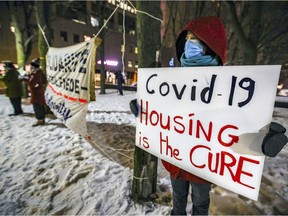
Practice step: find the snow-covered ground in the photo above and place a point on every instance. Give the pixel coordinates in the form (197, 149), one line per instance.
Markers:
(51, 170)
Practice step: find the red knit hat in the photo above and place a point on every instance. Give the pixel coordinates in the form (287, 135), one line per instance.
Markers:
(209, 30)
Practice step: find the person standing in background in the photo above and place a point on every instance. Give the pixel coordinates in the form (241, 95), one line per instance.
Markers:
(37, 85)
(13, 88)
(120, 81)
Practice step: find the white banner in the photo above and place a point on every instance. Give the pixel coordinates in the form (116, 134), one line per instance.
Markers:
(68, 72)
(209, 121)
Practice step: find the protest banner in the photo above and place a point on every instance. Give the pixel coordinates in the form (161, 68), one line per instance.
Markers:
(209, 121)
(69, 73)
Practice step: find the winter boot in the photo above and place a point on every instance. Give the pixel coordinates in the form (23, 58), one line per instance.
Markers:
(39, 122)
(16, 113)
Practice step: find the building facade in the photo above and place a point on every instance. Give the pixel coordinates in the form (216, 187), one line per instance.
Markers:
(74, 22)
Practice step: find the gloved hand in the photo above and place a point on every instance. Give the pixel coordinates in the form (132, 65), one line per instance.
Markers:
(134, 107)
(275, 140)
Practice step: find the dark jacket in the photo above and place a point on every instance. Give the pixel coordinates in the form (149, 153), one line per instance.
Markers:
(36, 85)
(13, 84)
(119, 77)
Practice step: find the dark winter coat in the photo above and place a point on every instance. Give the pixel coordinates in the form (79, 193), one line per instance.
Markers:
(36, 85)
(209, 30)
(119, 77)
(13, 84)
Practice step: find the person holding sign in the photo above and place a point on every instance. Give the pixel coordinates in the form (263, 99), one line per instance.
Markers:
(202, 42)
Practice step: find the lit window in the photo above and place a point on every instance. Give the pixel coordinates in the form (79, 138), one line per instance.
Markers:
(12, 28)
(132, 32)
(136, 50)
(129, 64)
(121, 5)
(94, 22)
(122, 48)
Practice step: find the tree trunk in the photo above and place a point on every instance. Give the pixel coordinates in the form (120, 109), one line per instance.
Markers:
(19, 38)
(42, 14)
(102, 66)
(148, 32)
(19, 42)
(101, 7)
(255, 28)
(250, 49)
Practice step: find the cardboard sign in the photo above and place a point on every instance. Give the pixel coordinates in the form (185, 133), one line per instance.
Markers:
(68, 72)
(209, 121)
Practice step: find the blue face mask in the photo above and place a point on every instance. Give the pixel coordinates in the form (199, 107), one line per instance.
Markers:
(194, 48)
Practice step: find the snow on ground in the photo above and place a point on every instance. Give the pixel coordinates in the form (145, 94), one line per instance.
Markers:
(51, 170)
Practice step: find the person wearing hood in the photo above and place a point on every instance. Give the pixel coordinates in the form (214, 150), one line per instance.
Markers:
(202, 42)
(13, 86)
(37, 85)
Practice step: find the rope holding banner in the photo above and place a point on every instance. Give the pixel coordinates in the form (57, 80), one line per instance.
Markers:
(112, 149)
(43, 33)
(143, 12)
(139, 178)
(124, 43)
(107, 21)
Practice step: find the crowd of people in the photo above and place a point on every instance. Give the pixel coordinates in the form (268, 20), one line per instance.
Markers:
(36, 81)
